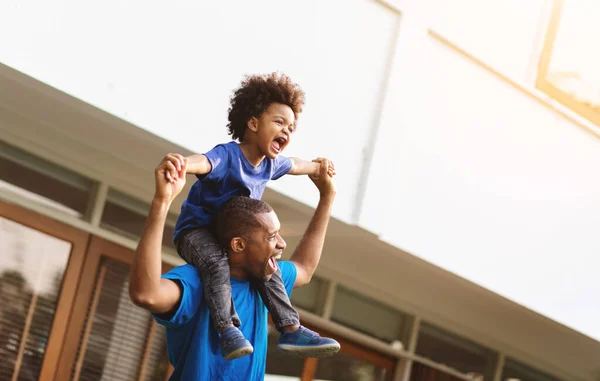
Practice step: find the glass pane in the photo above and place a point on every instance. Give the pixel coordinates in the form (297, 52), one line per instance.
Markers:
(574, 63)
(366, 315)
(456, 352)
(343, 367)
(307, 297)
(280, 367)
(126, 215)
(32, 266)
(517, 371)
(54, 186)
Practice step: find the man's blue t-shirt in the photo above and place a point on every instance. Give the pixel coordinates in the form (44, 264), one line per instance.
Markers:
(193, 343)
(231, 175)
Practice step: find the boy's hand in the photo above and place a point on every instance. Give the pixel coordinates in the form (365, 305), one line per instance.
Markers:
(174, 163)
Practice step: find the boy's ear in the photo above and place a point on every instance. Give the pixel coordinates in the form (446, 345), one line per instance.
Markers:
(253, 124)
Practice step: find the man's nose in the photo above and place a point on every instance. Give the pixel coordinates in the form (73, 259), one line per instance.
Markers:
(281, 242)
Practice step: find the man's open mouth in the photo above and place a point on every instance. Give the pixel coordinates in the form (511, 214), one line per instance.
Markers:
(273, 262)
(272, 265)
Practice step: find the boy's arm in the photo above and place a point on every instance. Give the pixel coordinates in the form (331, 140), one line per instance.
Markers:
(197, 164)
(303, 167)
(308, 252)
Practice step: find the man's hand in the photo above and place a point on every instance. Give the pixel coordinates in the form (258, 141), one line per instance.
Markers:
(170, 178)
(174, 163)
(324, 181)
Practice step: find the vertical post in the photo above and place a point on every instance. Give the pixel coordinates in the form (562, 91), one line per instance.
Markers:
(404, 366)
(90, 321)
(369, 149)
(329, 298)
(147, 350)
(26, 329)
(499, 367)
(309, 370)
(96, 206)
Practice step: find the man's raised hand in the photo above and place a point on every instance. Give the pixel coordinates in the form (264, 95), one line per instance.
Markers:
(170, 177)
(324, 181)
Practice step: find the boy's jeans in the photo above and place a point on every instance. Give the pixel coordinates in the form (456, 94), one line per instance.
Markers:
(200, 248)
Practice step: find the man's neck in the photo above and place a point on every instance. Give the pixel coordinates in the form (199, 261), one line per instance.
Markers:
(236, 271)
(252, 153)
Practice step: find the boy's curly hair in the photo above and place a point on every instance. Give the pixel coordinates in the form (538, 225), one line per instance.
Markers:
(255, 94)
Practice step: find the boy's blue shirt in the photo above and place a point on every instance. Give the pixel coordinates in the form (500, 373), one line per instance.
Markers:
(231, 175)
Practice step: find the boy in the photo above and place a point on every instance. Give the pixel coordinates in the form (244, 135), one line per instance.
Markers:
(262, 116)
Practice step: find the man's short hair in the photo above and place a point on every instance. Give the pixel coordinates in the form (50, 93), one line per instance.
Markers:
(237, 217)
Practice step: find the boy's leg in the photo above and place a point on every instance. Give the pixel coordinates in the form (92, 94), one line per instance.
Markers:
(295, 340)
(199, 248)
(278, 303)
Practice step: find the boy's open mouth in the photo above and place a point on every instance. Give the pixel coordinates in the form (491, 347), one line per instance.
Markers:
(278, 144)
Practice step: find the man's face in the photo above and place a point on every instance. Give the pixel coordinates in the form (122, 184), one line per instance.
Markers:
(274, 129)
(264, 246)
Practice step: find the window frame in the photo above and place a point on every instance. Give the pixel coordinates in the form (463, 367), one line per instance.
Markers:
(543, 84)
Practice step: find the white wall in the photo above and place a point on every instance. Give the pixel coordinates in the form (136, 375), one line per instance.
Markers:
(490, 183)
(469, 173)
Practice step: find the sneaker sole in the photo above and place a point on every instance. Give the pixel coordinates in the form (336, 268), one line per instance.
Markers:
(309, 351)
(241, 352)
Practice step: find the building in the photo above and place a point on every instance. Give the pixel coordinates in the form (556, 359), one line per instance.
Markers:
(465, 136)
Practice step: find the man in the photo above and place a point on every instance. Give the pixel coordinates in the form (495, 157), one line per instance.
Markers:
(249, 230)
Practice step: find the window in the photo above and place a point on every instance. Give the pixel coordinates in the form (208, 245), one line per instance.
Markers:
(121, 341)
(516, 371)
(366, 315)
(307, 297)
(46, 183)
(502, 34)
(126, 215)
(32, 268)
(456, 352)
(568, 68)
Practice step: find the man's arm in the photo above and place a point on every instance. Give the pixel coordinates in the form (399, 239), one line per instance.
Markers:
(146, 287)
(308, 252)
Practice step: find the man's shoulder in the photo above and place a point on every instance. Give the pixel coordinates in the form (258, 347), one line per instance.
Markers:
(287, 267)
(183, 272)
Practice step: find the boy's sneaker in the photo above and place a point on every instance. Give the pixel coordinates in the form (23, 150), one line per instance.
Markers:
(234, 344)
(306, 343)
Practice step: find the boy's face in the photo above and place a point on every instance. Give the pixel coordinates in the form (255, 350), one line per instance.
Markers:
(273, 129)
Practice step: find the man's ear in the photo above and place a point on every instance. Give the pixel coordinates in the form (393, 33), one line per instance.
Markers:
(253, 124)
(238, 244)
